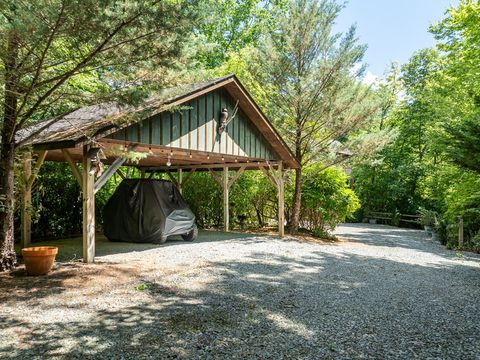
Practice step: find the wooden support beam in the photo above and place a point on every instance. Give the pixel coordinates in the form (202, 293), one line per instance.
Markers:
(112, 169)
(216, 177)
(180, 180)
(26, 216)
(186, 178)
(73, 166)
(269, 176)
(36, 169)
(173, 180)
(226, 213)
(254, 165)
(88, 197)
(226, 183)
(236, 176)
(29, 177)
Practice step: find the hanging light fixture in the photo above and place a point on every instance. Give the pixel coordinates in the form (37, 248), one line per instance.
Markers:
(169, 160)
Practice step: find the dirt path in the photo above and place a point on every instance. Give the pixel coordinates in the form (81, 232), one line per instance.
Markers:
(384, 293)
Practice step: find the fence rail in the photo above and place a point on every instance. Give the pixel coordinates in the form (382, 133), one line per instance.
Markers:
(405, 218)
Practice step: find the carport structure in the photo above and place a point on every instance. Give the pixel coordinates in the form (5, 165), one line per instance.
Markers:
(214, 126)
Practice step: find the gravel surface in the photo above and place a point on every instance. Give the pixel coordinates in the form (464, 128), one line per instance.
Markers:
(384, 293)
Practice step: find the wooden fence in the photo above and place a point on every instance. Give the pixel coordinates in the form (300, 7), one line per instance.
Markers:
(389, 218)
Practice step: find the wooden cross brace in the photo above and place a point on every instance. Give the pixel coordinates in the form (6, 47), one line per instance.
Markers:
(230, 180)
(180, 181)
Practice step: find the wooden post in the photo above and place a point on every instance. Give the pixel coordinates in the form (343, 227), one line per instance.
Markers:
(281, 201)
(26, 229)
(225, 183)
(460, 233)
(29, 177)
(226, 215)
(180, 180)
(88, 197)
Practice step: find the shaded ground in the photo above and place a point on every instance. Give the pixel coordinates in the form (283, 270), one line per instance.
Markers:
(385, 293)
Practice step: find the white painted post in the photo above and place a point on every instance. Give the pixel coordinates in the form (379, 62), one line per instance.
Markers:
(226, 215)
(460, 233)
(281, 201)
(88, 197)
(26, 229)
(180, 181)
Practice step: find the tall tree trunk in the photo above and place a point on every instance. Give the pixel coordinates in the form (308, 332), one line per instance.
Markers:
(297, 196)
(297, 201)
(259, 216)
(8, 258)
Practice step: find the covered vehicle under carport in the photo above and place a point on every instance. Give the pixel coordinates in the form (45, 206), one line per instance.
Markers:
(147, 210)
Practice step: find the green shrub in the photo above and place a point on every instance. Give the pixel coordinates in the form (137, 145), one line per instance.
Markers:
(427, 217)
(463, 199)
(327, 199)
(252, 200)
(56, 202)
(205, 198)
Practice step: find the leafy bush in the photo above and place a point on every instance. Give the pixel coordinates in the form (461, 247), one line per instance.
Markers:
(56, 202)
(252, 201)
(463, 200)
(427, 217)
(326, 199)
(205, 198)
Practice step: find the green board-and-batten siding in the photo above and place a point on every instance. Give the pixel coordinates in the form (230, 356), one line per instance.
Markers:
(194, 127)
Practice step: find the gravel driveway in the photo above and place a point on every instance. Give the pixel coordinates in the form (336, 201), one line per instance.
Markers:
(384, 293)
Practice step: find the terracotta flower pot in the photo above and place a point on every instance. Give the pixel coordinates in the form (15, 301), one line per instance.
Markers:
(39, 260)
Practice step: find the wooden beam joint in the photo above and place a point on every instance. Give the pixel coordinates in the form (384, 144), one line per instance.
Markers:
(73, 167)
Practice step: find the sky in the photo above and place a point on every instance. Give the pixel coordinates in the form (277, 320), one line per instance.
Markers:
(392, 29)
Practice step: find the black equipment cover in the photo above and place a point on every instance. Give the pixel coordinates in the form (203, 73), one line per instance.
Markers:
(142, 210)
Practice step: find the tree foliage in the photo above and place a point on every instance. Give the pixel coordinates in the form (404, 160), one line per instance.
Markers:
(314, 95)
(327, 200)
(433, 162)
(228, 26)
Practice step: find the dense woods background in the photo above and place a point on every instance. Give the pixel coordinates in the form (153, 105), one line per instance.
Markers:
(413, 135)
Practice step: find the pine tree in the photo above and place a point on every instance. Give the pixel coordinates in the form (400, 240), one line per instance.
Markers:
(311, 75)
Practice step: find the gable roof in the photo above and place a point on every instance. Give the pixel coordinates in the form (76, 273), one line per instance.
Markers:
(92, 123)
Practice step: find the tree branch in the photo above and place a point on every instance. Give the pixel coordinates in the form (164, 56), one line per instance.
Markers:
(80, 65)
(42, 57)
